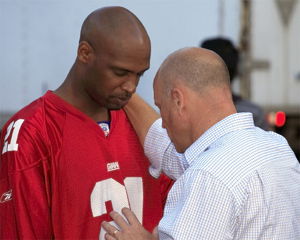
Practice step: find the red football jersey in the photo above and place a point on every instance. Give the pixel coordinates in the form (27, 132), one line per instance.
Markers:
(60, 176)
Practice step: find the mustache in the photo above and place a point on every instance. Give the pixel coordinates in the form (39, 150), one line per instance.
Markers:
(125, 96)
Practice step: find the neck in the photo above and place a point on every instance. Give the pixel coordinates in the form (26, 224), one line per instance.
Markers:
(72, 92)
(212, 112)
(210, 118)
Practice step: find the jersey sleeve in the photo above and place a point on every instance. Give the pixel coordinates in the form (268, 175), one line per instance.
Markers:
(24, 190)
(162, 153)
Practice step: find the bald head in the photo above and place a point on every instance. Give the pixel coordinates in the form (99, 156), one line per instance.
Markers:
(113, 53)
(198, 68)
(113, 25)
(192, 87)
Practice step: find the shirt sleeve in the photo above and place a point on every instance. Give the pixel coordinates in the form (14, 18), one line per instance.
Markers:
(24, 186)
(162, 153)
(203, 209)
(165, 186)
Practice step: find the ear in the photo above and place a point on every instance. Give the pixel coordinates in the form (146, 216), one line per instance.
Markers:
(178, 99)
(85, 52)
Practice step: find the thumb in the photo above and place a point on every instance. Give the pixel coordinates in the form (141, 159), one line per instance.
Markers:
(155, 232)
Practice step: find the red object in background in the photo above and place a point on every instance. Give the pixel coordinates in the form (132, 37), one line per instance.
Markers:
(280, 119)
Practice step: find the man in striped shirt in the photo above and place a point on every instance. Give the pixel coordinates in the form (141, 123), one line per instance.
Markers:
(233, 180)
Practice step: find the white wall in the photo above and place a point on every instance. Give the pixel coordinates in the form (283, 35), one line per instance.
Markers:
(39, 38)
(280, 45)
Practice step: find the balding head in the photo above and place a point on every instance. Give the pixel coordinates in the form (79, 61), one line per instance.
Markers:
(113, 25)
(198, 68)
(192, 91)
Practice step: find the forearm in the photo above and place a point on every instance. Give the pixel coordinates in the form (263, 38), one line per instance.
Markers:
(141, 115)
(157, 145)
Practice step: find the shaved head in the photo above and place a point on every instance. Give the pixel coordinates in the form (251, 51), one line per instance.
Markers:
(113, 24)
(197, 68)
(114, 51)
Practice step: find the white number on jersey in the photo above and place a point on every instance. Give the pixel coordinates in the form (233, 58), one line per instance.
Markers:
(120, 196)
(12, 146)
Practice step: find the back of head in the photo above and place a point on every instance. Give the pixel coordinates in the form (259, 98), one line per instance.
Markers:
(198, 68)
(226, 50)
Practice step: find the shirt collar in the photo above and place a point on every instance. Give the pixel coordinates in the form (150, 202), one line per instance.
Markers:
(236, 121)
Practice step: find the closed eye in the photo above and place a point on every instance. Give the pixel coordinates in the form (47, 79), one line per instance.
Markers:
(124, 72)
(120, 72)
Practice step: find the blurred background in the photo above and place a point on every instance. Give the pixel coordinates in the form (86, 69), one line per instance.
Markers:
(39, 40)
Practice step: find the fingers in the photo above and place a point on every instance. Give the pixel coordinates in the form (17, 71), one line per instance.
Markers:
(126, 223)
(155, 232)
(109, 237)
(119, 219)
(130, 216)
(110, 229)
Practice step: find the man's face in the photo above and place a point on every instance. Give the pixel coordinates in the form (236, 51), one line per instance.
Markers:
(170, 120)
(112, 77)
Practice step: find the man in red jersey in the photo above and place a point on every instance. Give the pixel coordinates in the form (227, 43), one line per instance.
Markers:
(71, 156)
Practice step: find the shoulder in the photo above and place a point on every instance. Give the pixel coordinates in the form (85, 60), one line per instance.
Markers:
(23, 136)
(28, 117)
(120, 121)
(237, 155)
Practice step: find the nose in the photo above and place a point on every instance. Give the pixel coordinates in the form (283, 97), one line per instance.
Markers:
(130, 85)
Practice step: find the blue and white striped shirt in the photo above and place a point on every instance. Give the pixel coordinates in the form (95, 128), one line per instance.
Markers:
(235, 182)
